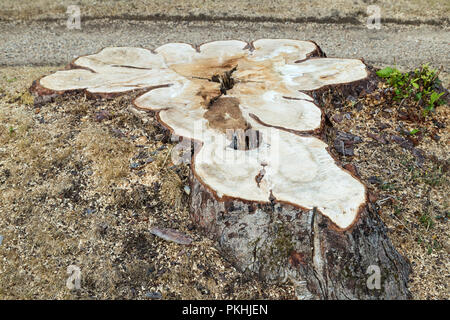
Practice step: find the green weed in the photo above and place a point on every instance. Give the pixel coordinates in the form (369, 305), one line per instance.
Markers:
(420, 88)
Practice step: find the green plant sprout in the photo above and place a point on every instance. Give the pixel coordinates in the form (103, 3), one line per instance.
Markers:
(422, 86)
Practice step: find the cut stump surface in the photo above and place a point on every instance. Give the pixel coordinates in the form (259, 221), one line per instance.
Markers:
(263, 183)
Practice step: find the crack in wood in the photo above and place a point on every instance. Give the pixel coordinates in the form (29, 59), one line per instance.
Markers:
(226, 83)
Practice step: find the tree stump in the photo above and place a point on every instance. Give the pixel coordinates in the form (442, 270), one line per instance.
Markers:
(263, 183)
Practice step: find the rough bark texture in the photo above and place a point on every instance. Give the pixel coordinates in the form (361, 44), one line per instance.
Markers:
(278, 241)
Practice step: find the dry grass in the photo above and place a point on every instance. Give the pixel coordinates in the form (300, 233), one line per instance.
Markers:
(103, 151)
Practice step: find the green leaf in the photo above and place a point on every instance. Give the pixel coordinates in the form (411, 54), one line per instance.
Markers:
(414, 131)
(386, 72)
(415, 85)
(435, 96)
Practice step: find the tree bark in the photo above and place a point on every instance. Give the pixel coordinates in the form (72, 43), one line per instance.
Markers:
(278, 241)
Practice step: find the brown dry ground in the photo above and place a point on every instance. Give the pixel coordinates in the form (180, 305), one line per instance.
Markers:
(69, 195)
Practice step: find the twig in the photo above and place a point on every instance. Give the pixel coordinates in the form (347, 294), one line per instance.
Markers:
(167, 156)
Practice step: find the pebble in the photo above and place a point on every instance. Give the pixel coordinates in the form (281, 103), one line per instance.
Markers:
(153, 295)
(1, 239)
(187, 190)
(134, 165)
(89, 211)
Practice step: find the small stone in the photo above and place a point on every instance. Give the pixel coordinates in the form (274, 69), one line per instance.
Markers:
(187, 190)
(1, 239)
(153, 295)
(149, 160)
(134, 165)
(89, 211)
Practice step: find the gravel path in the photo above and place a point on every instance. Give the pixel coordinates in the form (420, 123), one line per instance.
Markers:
(51, 43)
(406, 11)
